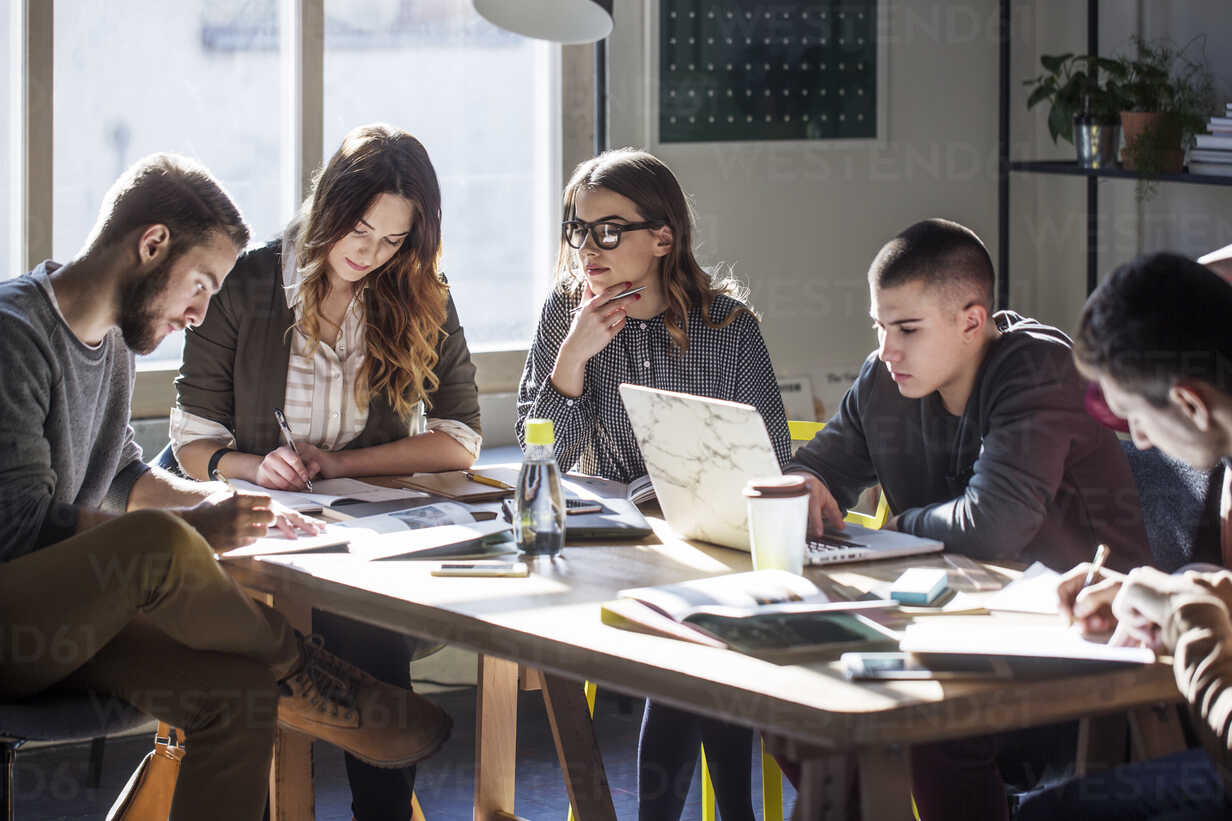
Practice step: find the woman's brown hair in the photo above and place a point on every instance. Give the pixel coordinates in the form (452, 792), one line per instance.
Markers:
(644, 179)
(405, 299)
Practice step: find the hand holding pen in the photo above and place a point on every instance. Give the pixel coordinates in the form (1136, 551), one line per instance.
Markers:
(300, 468)
(1086, 593)
(252, 510)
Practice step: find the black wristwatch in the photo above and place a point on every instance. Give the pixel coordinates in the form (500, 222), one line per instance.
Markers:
(215, 458)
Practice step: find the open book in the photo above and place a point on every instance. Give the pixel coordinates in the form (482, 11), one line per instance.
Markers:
(771, 614)
(640, 490)
(327, 493)
(445, 529)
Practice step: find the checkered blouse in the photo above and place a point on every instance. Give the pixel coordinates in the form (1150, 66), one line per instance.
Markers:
(593, 434)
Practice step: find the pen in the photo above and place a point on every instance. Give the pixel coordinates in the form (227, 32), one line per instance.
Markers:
(218, 476)
(629, 292)
(486, 480)
(286, 431)
(1101, 555)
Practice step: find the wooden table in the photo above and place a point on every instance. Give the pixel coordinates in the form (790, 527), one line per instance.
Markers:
(551, 621)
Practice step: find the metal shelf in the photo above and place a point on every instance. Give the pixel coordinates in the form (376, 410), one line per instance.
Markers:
(1073, 169)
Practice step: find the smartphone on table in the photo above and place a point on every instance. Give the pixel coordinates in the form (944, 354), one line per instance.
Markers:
(482, 567)
(899, 666)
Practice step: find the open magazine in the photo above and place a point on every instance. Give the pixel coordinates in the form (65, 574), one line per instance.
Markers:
(771, 614)
(329, 493)
(441, 530)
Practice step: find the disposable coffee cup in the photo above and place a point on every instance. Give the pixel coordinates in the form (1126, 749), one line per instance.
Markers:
(778, 519)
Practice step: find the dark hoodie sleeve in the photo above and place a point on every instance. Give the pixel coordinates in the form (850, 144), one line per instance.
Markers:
(838, 454)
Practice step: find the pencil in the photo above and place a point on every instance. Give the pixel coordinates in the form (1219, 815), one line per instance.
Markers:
(1101, 555)
(486, 480)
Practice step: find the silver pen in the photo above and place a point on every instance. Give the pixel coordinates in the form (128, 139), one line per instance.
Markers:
(286, 431)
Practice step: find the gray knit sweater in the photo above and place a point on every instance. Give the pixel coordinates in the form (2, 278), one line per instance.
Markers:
(65, 439)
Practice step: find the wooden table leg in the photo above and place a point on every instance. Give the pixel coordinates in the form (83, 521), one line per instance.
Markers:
(291, 775)
(496, 738)
(825, 786)
(1155, 731)
(885, 784)
(576, 747)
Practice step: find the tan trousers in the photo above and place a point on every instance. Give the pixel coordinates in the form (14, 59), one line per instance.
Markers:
(139, 608)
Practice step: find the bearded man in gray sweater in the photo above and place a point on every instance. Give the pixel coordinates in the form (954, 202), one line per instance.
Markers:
(108, 577)
(973, 423)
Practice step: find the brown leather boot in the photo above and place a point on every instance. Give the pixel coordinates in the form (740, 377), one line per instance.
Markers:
(335, 701)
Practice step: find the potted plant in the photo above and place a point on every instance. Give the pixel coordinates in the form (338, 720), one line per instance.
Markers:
(1086, 103)
(1170, 92)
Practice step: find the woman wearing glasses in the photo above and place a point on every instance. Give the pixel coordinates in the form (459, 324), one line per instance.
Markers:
(628, 226)
(345, 323)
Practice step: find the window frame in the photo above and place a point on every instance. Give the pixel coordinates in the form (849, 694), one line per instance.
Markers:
(302, 57)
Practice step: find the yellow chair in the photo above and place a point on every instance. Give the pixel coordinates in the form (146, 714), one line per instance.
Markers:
(803, 432)
(771, 775)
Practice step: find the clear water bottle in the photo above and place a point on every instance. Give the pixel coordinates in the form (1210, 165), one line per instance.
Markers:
(539, 507)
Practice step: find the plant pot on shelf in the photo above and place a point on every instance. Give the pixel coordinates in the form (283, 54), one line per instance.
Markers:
(1152, 142)
(1096, 141)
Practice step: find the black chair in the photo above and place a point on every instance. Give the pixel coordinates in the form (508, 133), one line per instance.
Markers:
(1180, 506)
(61, 717)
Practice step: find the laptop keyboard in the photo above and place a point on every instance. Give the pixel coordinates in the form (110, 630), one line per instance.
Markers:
(823, 551)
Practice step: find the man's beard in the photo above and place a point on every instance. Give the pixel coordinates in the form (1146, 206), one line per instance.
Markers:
(140, 321)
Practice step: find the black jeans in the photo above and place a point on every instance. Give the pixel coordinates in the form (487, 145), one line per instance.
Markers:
(376, 794)
(1184, 785)
(667, 754)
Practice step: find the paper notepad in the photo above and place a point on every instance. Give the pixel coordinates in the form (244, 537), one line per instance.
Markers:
(1035, 591)
(1046, 642)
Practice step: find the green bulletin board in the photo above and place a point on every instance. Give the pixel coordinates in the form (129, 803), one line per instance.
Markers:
(743, 70)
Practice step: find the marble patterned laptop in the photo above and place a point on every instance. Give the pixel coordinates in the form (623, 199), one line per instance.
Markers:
(700, 452)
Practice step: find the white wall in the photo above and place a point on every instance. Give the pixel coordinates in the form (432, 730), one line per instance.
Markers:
(800, 222)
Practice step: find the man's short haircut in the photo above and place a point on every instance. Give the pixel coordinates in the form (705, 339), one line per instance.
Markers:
(1155, 321)
(942, 254)
(170, 190)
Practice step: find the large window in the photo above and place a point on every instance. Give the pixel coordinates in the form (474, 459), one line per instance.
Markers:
(481, 101)
(137, 76)
(207, 78)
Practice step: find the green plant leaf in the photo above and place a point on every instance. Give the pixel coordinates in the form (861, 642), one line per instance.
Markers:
(1041, 93)
(1054, 62)
(1061, 123)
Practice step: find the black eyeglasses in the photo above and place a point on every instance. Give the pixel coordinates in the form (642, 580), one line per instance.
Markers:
(606, 234)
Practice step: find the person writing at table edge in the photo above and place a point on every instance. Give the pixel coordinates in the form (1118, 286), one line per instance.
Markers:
(627, 225)
(1155, 336)
(973, 424)
(113, 563)
(346, 323)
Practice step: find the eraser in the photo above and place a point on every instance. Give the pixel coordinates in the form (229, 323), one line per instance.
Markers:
(919, 585)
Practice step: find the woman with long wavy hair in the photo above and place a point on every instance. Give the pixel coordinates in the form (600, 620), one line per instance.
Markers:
(627, 226)
(345, 322)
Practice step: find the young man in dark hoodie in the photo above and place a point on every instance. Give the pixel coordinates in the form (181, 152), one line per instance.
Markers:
(973, 424)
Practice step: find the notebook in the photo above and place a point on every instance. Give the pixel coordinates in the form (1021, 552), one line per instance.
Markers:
(700, 452)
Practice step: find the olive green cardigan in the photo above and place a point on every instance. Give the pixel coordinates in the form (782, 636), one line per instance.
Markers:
(244, 342)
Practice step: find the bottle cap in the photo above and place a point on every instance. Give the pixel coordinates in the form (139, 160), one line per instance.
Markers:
(540, 432)
(776, 487)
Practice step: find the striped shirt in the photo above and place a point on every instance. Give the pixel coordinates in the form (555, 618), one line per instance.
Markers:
(320, 401)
